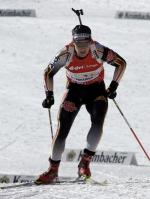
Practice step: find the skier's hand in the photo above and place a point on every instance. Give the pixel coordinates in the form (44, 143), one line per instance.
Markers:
(111, 91)
(111, 95)
(49, 101)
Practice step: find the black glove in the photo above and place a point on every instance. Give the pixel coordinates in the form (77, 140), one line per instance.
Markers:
(111, 91)
(49, 101)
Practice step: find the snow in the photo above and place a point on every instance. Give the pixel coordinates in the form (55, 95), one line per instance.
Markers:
(26, 47)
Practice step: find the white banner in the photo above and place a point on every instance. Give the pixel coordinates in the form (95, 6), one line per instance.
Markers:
(102, 157)
(17, 13)
(10, 178)
(133, 15)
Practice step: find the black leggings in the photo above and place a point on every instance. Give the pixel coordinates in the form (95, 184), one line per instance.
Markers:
(93, 97)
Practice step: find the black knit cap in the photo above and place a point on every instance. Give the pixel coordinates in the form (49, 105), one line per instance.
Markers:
(81, 32)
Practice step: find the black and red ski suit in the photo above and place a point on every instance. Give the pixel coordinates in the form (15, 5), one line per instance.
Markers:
(85, 86)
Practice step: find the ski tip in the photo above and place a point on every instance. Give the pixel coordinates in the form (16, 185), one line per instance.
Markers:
(38, 182)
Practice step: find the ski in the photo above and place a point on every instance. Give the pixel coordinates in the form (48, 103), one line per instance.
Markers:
(65, 181)
(15, 185)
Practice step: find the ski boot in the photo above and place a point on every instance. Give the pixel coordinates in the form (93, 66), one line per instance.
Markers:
(49, 176)
(83, 167)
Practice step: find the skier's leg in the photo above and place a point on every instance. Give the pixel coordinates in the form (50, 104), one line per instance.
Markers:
(68, 111)
(97, 110)
(67, 114)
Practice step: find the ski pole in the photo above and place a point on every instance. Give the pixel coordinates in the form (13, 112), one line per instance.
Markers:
(50, 122)
(131, 129)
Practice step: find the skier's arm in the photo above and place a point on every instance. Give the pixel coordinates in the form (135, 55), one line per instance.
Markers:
(49, 72)
(53, 67)
(48, 81)
(116, 60)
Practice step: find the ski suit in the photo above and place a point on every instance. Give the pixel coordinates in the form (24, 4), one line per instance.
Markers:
(85, 86)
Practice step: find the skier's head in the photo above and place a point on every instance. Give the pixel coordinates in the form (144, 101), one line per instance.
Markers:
(82, 39)
(81, 33)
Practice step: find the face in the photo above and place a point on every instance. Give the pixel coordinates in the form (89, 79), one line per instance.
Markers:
(82, 48)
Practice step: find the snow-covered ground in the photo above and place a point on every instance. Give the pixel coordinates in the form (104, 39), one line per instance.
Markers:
(26, 47)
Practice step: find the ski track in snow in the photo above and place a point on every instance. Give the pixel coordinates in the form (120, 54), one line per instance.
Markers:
(26, 46)
(135, 185)
(122, 190)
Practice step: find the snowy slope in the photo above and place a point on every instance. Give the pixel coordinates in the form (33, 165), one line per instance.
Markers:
(26, 47)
